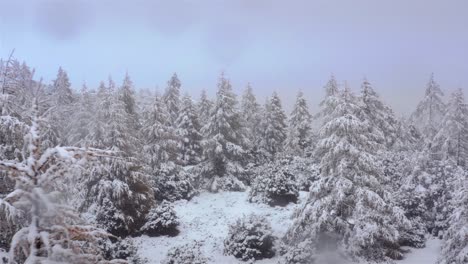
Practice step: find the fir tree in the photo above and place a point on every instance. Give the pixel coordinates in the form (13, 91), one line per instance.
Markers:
(223, 147)
(380, 116)
(188, 127)
(299, 132)
(172, 98)
(251, 114)
(330, 101)
(55, 232)
(274, 129)
(455, 246)
(84, 109)
(204, 107)
(118, 192)
(160, 139)
(348, 206)
(452, 140)
(61, 89)
(430, 110)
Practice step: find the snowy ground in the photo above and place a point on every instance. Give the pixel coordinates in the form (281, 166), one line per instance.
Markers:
(206, 218)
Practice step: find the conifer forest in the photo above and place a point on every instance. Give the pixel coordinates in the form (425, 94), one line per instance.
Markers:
(120, 173)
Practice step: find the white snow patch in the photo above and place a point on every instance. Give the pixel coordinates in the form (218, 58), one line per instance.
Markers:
(206, 218)
(427, 255)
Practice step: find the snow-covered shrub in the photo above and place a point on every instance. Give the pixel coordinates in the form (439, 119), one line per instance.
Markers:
(189, 253)
(161, 220)
(250, 238)
(121, 249)
(274, 185)
(173, 183)
(302, 253)
(305, 171)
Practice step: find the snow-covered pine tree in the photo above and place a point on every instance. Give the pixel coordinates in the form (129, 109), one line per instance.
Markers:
(348, 209)
(62, 105)
(299, 130)
(274, 127)
(430, 110)
(127, 95)
(55, 232)
(380, 116)
(452, 139)
(455, 246)
(161, 154)
(204, 107)
(160, 139)
(83, 115)
(224, 142)
(251, 115)
(188, 128)
(118, 192)
(328, 104)
(172, 98)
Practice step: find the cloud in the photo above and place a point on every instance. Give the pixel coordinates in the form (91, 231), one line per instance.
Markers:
(63, 20)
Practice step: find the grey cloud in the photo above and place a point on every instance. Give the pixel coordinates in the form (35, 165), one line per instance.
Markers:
(63, 20)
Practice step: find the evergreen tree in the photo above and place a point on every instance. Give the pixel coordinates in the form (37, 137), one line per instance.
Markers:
(118, 192)
(80, 124)
(55, 232)
(274, 130)
(251, 115)
(160, 139)
(61, 89)
(299, 132)
(162, 153)
(348, 208)
(172, 98)
(452, 139)
(430, 110)
(127, 95)
(380, 116)
(224, 144)
(204, 107)
(189, 128)
(455, 246)
(328, 104)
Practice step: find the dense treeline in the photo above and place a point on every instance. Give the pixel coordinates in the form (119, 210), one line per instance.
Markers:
(80, 171)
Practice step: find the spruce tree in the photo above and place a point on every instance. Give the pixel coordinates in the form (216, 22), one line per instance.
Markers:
(380, 116)
(83, 115)
(172, 98)
(299, 132)
(430, 110)
(224, 142)
(118, 191)
(160, 139)
(55, 231)
(188, 128)
(251, 115)
(348, 208)
(274, 129)
(127, 95)
(452, 139)
(330, 101)
(204, 107)
(455, 245)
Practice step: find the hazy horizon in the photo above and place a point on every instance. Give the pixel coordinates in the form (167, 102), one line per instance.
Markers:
(275, 45)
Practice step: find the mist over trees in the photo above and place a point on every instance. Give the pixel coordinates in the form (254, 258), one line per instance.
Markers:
(84, 170)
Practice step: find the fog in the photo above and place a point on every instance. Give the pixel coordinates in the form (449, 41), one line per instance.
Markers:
(278, 46)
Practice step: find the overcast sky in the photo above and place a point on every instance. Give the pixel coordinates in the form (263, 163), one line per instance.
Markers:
(278, 46)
